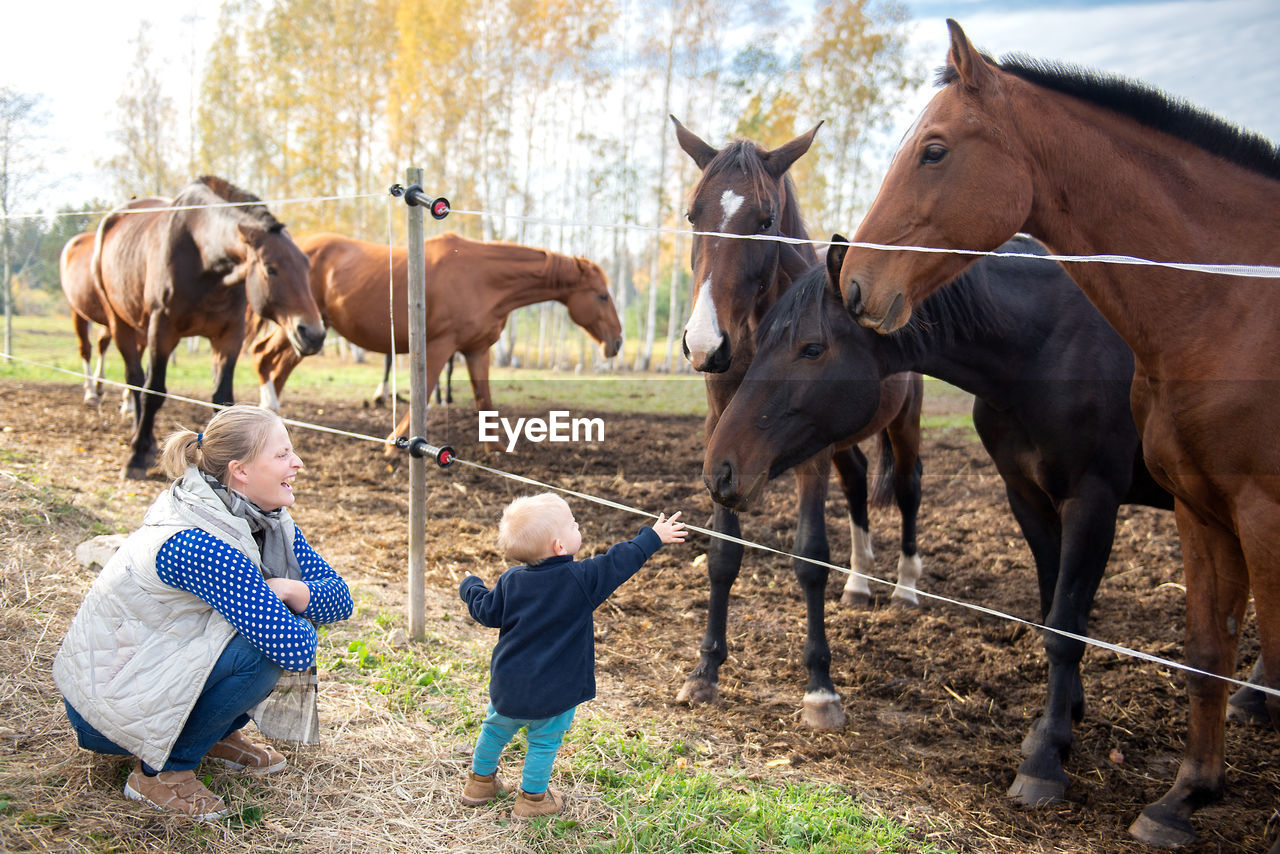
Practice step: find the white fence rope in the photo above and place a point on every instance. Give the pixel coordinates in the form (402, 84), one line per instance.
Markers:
(981, 609)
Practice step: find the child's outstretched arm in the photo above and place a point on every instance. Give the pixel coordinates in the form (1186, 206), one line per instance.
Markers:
(670, 530)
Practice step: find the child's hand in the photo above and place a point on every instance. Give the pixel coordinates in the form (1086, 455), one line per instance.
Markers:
(669, 530)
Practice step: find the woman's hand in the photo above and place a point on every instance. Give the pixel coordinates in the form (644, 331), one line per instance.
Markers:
(294, 594)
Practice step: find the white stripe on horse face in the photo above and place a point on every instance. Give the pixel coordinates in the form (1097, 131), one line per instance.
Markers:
(729, 203)
(702, 333)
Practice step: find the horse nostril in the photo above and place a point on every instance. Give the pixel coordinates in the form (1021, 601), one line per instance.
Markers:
(726, 480)
(684, 347)
(853, 298)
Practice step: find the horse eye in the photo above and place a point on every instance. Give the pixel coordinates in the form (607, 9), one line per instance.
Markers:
(271, 271)
(604, 297)
(767, 224)
(812, 351)
(689, 216)
(933, 153)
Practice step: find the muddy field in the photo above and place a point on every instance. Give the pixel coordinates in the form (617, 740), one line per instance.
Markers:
(938, 699)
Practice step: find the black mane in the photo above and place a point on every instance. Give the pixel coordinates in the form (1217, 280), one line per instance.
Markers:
(1147, 106)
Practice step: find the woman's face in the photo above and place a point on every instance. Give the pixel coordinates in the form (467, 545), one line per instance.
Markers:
(267, 479)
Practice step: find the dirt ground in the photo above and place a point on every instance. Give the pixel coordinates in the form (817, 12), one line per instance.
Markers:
(938, 699)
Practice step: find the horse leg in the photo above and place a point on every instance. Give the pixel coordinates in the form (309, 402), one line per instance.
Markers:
(900, 444)
(434, 362)
(1071, 552)
(1217, 590)
(1249, 705)
(478, 370)
(724, 560)
(143, 444)
(382, 394)
(851, 466)
(226, 350)
(448, 382)
(85, 347)
(822, 709)
(100, 369)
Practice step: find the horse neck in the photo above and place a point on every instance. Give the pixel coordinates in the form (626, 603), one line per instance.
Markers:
(523, 276)
(1112, 186)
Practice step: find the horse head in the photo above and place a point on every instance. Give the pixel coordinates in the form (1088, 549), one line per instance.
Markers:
(278, 286)
(812, 382)
(591, 306)
(958, 181)
(744, 190)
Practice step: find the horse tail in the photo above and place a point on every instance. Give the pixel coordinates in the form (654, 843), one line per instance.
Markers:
(882, 493)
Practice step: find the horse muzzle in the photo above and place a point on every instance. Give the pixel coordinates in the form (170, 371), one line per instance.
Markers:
(726, 487)
(609, 349)
(716, 361)
(306, 339)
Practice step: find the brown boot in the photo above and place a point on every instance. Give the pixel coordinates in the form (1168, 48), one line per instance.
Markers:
(481, 789)
(532, 806)
(175, 791)
(241, 754)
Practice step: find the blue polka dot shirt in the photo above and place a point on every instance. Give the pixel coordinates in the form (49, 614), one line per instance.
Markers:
(227, 579)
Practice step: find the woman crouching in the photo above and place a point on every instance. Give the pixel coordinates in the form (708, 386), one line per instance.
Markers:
(203, 611)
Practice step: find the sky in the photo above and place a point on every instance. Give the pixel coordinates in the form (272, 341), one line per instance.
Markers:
(1218, 54)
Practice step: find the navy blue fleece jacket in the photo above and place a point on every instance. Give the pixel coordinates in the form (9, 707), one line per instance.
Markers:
(545, 660)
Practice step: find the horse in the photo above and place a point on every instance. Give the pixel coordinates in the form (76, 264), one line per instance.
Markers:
(1050, 380)
(1092, 165)
(76, 275)
(747, 190)
(189, 266)
(471, 288)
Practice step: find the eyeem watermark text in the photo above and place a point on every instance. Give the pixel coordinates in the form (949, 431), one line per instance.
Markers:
(558, 426)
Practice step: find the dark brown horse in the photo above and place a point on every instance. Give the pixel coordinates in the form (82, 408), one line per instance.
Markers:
(746, 190)
(471, 288)
(192, 265)
(1094, 165)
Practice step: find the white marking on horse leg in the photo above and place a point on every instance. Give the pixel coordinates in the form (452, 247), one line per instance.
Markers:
(729, 203)
(89, 395)
(860, 560)
(126, 403)
(820, 697)
(267, 397)
(380, 393)
(909, 571)
(702, 333)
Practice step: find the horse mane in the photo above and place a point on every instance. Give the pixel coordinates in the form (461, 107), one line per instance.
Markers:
(1147, 106)
(254, 209)
(804, 299)
(561, 269)
(745, 156)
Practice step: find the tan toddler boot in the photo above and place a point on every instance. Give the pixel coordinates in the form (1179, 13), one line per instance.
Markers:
(481, 789)
(531, 806)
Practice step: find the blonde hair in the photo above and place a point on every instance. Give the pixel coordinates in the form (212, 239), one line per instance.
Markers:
(236, 433)
(529, 525)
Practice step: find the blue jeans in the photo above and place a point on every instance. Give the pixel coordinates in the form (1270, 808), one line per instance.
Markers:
(545, 736)
(241, 679)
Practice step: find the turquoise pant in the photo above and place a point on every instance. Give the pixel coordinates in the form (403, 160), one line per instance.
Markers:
(545, 736)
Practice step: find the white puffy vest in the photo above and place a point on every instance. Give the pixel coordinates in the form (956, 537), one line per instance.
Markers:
(139, 651)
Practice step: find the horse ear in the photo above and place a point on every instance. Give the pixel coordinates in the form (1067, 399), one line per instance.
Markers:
(968, 62)
(779, 160)
(835, 260)
(701, 153)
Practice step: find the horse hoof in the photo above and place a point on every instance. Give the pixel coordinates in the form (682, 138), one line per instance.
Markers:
(905, 603)
(130, 472)
(698, 691)
(823, 714)
(1248, 706)
(856, 600)
(1036, 791)
(1153, 832)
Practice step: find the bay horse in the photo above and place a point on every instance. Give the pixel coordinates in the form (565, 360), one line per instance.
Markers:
(76, 275)
(1050, 380)
(471, 288)
(192, 265)
(1097, 165)
(747, 190)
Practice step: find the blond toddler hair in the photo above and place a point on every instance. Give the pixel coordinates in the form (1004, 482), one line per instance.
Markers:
(529, 525)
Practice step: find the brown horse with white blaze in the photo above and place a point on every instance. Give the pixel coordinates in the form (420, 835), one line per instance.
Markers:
(472, 286)
(191, 266)
(1094, 165)
(747, 190)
